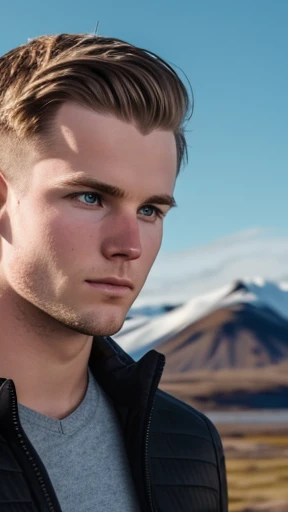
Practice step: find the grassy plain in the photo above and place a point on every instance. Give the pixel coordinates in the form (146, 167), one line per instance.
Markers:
(257, 471)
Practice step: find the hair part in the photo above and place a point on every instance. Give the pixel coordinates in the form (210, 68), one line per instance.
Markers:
(107, 75)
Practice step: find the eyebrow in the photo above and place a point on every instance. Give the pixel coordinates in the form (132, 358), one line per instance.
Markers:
(113, 191)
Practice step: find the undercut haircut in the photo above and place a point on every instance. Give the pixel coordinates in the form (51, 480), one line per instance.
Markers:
(107, 75)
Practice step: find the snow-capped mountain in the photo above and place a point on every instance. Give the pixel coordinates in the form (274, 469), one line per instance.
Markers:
(223, 330)
(140, 334)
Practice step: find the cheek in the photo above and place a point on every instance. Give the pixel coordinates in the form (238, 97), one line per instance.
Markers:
(65, 240)
(42, 241)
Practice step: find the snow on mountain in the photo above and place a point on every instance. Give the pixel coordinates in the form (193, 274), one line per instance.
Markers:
(139, 336)
(260, 293)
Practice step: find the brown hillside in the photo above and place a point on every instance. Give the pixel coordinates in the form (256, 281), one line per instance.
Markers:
(240, 336)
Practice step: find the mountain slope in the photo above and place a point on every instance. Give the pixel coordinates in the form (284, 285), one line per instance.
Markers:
(238, 336)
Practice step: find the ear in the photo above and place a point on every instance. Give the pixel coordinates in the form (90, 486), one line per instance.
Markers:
(3, 192)
(3, 202)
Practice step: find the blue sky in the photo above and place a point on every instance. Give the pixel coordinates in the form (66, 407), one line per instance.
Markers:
(235, 56)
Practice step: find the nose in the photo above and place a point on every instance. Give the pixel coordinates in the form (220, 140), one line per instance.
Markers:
(122, 238)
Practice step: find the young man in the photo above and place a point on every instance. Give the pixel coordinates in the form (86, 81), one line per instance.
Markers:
(91, 134)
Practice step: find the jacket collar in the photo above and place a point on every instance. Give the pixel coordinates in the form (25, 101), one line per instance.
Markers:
(123, 379)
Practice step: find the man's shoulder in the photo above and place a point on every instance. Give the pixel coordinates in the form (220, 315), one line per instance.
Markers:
(175, 415)
(186, 453)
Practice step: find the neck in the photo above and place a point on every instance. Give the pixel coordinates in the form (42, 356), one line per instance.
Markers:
(47, 361)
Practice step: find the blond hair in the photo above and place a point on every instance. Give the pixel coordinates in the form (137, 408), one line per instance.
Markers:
(104, 74)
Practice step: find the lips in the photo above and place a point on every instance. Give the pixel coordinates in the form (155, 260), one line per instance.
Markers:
(114, 281)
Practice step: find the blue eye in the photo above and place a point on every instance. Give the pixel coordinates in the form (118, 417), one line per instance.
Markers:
(148, 210)
(151, 211)
(90, 197)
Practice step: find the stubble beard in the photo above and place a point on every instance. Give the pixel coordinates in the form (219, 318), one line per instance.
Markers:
(47, 318)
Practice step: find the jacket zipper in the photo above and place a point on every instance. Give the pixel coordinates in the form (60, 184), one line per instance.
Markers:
(159, 370)
(21, 438)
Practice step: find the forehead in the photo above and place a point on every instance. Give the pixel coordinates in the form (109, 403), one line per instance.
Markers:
(110, 150)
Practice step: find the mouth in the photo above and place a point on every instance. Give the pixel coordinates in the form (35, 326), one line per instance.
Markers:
(113, 285)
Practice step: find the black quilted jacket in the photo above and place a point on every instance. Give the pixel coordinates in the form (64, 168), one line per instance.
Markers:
(175, 452)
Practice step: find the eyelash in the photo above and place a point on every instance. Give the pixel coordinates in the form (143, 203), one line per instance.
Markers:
(159, 213)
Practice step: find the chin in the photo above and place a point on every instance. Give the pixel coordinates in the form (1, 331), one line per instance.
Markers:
(99, 325)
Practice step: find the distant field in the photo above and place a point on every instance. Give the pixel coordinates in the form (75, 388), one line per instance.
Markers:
(230, 388)
(257, 472)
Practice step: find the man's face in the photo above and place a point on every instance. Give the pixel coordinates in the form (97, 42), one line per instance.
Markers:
(62, 237)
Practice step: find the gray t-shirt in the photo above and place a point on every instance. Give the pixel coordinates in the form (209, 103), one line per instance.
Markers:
(84, 455)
